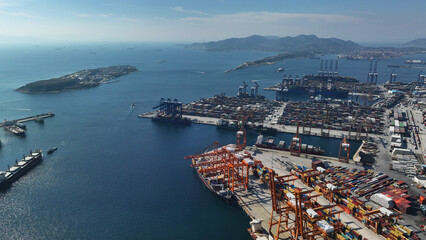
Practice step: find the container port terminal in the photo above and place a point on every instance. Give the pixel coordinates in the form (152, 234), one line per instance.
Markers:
(378, 193)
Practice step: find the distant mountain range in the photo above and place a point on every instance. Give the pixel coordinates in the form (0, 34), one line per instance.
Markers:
(418, 43)
(300, 43)
(306, 46)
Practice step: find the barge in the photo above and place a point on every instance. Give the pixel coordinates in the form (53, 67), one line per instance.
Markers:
(15, 130)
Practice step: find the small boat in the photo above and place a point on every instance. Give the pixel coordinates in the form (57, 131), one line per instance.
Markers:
(133, 105)
(51, 150)
(39, 120)
(20, 125)
(280, 69)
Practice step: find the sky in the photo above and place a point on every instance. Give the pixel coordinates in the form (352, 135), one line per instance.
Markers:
(381, 21)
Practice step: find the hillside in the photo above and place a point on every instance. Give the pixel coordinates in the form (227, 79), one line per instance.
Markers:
(300, 43)
(418, 43)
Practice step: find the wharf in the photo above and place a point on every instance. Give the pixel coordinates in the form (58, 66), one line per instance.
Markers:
(416, 118)
(283, 128)
(280, 128)
(257, 203)
(32, 118)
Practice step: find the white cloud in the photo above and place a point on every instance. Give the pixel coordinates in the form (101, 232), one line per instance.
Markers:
(272, 17)
(203, 27)
(89, 15)
(129, 19)
(243, 24)
(181, 9)
(27, 14)
(6, 3)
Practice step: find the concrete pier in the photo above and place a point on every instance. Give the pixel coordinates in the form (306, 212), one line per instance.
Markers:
(31, 118)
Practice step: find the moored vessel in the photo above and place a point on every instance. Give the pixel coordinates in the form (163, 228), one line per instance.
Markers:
(270, 143)
(15, 130)
(21, 167)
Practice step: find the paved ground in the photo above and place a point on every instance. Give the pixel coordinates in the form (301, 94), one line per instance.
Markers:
(273, 159)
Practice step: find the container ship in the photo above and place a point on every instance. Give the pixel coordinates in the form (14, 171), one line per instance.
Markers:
(324, 92)
(225, 124)
(214, 182)
(270, 143)
(20, 168)
(169, 119)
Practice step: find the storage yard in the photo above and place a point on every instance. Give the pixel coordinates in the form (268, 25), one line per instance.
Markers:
(379, 193)
(338, 116)
(332, 201)
(231, 107)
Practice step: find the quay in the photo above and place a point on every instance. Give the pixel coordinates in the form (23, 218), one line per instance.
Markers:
(280, 128)
(257, 201)
(31, 118)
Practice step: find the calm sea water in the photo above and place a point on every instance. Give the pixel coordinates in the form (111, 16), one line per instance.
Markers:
(116, 176)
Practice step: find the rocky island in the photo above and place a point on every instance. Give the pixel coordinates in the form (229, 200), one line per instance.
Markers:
(79, 80)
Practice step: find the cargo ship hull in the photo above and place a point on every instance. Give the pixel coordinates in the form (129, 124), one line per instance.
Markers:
(15, 175)
(287, 149)
(15, 130)
(228, 198)
(172, 120)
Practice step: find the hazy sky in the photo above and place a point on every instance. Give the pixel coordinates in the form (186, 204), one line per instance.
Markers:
(203, 20)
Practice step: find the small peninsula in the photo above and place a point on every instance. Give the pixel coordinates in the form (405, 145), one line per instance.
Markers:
(79, 80)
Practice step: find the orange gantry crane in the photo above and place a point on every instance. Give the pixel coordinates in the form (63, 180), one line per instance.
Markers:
(296, 143)
(344, 150)
(376, 218)
(296, 212)
(307, 175)
(222, 162)
(241, 134)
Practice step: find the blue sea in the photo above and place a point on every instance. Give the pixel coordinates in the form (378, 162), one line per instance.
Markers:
(116, 176)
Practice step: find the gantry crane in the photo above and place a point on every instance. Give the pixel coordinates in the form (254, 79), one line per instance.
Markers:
(222, 162)
(241, 134)
(326, 120)
(169, 108)
(306, 175)
(329, 190)
(306, 121)
(344, 150)
(294, 211)
(374, 219)
(296, 143)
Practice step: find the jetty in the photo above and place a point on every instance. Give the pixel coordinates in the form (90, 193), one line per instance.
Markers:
(31, 118)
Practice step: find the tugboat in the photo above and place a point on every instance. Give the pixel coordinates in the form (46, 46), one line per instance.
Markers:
(51, 150)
